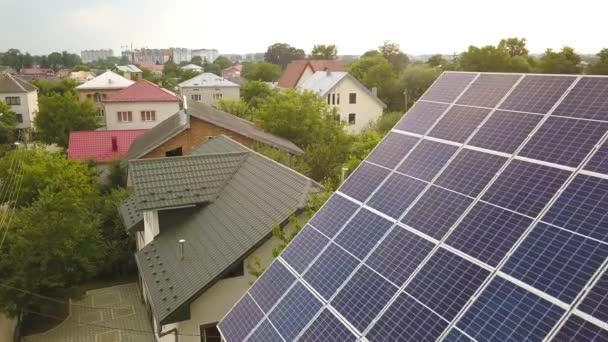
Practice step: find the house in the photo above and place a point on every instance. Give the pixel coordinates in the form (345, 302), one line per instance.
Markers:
(357, 106)
(81, 76)
(22, 97)
(232, 71)
(185, 131)
(198, 230)
(209, 88)
(131, 72)
(193, 67)
(141, 105)
(298, 71)
(101, 87)
(36, 72)
(156, 69)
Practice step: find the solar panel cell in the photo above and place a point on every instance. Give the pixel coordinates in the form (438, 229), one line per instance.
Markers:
(265, 333)
(537, 94)
(505, 131)
(588, 99)
(427, 159)
(577, 329)
(448, 87)
(488, 233)
(488, 90)
(421, 117)
(335, 214)
(304, 248)
(599, 161)
(458, 123)
(294, 312)
(243, 317)
(330, 270)
(526, 187)
(506, 312)
(596, 301)
(456, 335)
(564, 141)
(556, 261)
(470, 172)
(436, 211)
(396, 195)
(268, 289)
(364, 181)
(394, 147)
(407, 320)
(362, 233)
(327, 328)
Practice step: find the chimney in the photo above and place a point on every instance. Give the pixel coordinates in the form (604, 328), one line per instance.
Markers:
(343, 175)
(114, 144)
(327, 71)
(182, 242)
(375, 91)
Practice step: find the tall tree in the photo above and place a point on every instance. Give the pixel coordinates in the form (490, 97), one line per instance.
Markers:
(487, 58)
(415, 80)
(324, 52)
(601, 66)
(222, 62)
(61, 114)
(55, 60)
(436, 60)
(12, 58)
(566, 61)
(282, 54)
(377, 72)
(266, 72)
(8, 124)
(198, 60)
(254, 92)
(514, 46)
(392, 52)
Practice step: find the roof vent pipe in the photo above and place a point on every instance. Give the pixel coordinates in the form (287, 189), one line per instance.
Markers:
(182, 242)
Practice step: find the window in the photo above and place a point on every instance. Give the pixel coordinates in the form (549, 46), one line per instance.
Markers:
(209, 333)
(338, 98)
(97, 97)
(20, 118)
(125, 116)
(196, 97)
(328, 98)
(195, 89)
(352, 118)
(13, 100)
(176, 152)
(333, 99)
(217, 96)
(100, 112)
(352, 98)
(148, 115)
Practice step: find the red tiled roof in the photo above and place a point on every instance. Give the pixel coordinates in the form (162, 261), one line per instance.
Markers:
(291, 75)
(99, 146)
(152, 66)
(36, 72)
(143, 91)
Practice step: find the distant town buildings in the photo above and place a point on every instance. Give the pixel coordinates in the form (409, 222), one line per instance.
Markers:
(208, 55)
(182, 55)
(89, 56)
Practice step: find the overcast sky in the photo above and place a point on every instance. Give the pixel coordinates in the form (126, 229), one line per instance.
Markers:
(240, 26)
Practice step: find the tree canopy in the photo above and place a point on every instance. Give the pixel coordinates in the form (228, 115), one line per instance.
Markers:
(266, 72)
(282, 54)
(8, 124)
(566, 61)
(601, 66)
(324, 52)
(393, 54)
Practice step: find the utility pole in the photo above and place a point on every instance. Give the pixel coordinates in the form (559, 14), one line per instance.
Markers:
(405, 94)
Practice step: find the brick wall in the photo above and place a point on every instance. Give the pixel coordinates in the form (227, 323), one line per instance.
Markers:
(195, 136)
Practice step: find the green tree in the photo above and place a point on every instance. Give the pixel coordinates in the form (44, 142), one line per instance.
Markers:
(213, 68)
(266, 72)
(601, 66)
(415, 80)
(393, 54)
(282, 54)
(236, 107)
(514, 46)
(46, 88)
(61, 114)
(387, 121)
(27, 61)
(378, 72)
(362, 145)
(187, 74)
(484, 59)
(171, 69)
(566, 61)
(436, 60)
(324, 52)
(222, 62)
(254, 92)
(198, 60)
(55, 60)
(8, 124)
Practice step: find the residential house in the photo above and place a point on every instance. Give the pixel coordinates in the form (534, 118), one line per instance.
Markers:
(36, 71)
(100, 87)
(232, 71)
(64, 73)
(131, 72)
(141, 105)
(193, 126)
(81, 76)
(156, 69)
(209, 88)
(193, 67)
(198, 230)
(22, 97)
(298, 71)
(357, 106)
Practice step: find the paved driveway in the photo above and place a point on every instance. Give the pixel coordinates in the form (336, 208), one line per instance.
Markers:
(112, 314)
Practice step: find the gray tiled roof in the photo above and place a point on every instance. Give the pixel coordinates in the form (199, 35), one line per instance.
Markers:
(131, 216)
(13, 84)
(260, 194)
(180, 181)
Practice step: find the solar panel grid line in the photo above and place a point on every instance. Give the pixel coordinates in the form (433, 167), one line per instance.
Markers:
(443, 141)
(575, 233)
(588, 317)
(484, 150)
(533, 290)
(412, 134)
(593, 174)
(465, 256)
(546, 163)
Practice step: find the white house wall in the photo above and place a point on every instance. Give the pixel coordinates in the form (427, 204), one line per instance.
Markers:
(163, 111)
(228, 93)
(305, 76)
(367, 109)
(28, 107)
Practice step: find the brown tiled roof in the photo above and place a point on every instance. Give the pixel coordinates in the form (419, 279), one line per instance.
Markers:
(13, 84)
(293, 72)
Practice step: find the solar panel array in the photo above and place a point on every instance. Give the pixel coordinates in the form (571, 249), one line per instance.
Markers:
(483, 215)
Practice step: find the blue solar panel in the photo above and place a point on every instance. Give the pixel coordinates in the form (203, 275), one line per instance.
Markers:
(564, 141)
(363, 297)
(577, 329)
(407, 320)
(599, 161)
(427, 159)
(243, 317)
(456, 335)
(294, 312)
(394, 147)
(362, 232)
(266, 292)
(459, 123)
(448, 87)
(525, 187)
(505, 131)
(588, 99)
(454, 281)
(596, 301)
(488, 90)
(396, 194)
(399, 255)
(421, 117)
(337, 211)
(556, 261)
(327, 328)
(506, 312)
(582, 208)
(330, 270)
(470, 172)
(436, 211)
(537, 94)
(488, 232)
(364, 181)
(304, 248)
(265, 333)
